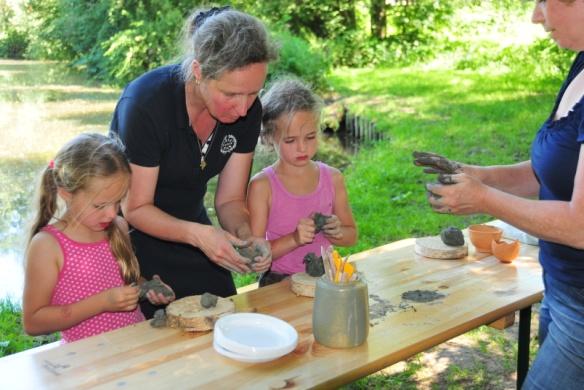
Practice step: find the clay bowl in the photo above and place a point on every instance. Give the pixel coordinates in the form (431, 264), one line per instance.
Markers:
(482, 235)
(505, 251)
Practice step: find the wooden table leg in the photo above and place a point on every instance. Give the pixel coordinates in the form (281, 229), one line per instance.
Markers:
(523, 347)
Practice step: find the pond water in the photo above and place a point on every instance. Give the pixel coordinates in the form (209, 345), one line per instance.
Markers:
(42, 105)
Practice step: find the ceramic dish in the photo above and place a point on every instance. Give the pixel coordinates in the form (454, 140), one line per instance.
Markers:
(241, 358)
(482, 235)
(255, 335)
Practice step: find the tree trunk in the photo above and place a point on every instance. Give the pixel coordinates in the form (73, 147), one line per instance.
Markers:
(378, 19)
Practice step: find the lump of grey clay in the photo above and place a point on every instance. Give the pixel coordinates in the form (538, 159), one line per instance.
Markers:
(314, 265)
(208, 300)
(319, 221)
(251, 250)
(159, 319)
(452, 236)
(157, 286)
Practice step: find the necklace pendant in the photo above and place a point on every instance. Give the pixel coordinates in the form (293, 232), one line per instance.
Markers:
(203, 164)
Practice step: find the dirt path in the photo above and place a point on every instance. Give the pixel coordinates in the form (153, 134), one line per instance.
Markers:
(484, 358)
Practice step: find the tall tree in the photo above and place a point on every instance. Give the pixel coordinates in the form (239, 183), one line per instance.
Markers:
(378, 17)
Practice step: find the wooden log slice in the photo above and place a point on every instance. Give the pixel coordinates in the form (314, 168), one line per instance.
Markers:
(434, 248)
(303, 284)
(188, 314)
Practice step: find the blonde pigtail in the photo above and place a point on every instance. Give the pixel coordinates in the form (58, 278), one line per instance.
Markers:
(123, 252)
(45, 202)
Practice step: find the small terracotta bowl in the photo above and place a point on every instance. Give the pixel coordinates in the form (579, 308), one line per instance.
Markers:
(481, 236)
(505, 251)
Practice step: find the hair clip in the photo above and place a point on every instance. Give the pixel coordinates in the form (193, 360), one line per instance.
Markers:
(52, 164)
(202, 16)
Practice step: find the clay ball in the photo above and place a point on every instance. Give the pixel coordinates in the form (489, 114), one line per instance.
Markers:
(452, 236)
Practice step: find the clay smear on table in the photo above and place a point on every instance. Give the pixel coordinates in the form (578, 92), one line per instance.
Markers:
(381, 308)
(422, 296)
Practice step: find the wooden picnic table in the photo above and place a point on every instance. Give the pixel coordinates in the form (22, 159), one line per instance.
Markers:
(476, 290)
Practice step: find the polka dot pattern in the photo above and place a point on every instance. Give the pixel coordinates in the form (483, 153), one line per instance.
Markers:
(88, 269)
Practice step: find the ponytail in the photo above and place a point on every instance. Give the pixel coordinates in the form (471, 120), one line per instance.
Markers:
(123, 252)
(45, 202)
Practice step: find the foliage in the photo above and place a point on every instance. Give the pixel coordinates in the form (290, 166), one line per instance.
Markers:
(414, 26)
(323, 19)
(298, 58)
(13, 338)
(149, 41)
(13, 38)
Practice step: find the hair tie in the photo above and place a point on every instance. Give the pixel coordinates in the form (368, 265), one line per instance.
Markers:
(202, 16)
(52, 164)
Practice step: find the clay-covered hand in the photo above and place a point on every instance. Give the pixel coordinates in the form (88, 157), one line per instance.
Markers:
(262, 262)
(157, 297)
(435, 163)
(332, 229)
(465, 196)
(217, 245)
(124, 298)
(304, 233)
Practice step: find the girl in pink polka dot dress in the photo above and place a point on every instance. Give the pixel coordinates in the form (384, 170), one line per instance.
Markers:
(81, 270)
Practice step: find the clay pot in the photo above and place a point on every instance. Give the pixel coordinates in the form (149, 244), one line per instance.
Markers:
(505, 251)
(482, 235)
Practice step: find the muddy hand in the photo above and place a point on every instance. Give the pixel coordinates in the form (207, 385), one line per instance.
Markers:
(465, 195)
(435, 163)
(263, 259)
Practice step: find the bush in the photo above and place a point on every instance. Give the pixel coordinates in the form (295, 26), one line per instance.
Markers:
(13, 39)
(298, 58)
(149, 41)
(13, 44)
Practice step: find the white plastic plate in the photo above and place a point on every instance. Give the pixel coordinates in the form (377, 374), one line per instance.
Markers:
(254, 335)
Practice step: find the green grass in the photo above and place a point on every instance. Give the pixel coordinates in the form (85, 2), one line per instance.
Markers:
(13, 339)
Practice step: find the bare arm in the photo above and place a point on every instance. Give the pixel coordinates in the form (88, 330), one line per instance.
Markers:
(230, 199)
(44, 260)
(345, 230)
(140, 211)
(231, 205)
(517, 179)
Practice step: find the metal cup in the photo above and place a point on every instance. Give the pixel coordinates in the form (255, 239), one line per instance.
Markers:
(340, 316)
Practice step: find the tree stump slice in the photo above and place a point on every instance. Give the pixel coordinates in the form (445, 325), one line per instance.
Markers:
(188, 314)
(303, 284)
(434, 248)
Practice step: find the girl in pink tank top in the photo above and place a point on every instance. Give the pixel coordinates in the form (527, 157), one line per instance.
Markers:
(80, 268)
(283, 198)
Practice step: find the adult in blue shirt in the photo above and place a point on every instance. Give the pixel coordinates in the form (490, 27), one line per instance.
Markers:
(182, 125)
(543, 196)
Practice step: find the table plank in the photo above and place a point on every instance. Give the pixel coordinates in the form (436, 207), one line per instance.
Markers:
(477, 290)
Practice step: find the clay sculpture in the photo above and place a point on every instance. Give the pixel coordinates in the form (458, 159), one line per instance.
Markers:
(452, 236)
(319, 221)
(313, 265)
(208, 300)
(159, 319)
(157, 286)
